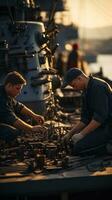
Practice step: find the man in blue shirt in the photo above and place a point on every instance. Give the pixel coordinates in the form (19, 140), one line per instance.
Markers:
(94, 127)
(10, 109)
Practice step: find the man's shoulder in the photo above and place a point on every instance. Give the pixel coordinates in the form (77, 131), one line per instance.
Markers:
(100, 86)
(97, 85)
(99, 82)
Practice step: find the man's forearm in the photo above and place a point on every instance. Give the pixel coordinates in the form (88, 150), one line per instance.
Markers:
(77, 128)
(22, 125)
(27, 111)
(90, 127)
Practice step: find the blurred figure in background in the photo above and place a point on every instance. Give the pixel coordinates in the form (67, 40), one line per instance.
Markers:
(73, 57)
(76, 60)
(60, 64)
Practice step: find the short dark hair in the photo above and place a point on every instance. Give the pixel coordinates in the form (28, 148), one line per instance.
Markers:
(14, 78)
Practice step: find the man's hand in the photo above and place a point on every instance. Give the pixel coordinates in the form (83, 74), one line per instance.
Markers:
(38, 128)
(39, 119)
(76, 137)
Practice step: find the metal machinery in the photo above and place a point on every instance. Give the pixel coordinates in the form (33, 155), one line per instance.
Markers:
(24, 48)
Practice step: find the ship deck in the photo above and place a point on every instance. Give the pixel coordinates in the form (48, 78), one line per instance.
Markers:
(85, 174)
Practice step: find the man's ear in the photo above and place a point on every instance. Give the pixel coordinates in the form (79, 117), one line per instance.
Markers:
(79, 77)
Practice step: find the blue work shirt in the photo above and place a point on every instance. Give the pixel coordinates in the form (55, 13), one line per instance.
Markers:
(97, 102)
(10, 108)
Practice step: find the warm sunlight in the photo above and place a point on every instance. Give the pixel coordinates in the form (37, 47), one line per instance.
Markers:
(91, 13)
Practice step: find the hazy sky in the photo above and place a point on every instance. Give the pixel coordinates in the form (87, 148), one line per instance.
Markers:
(92, 13)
